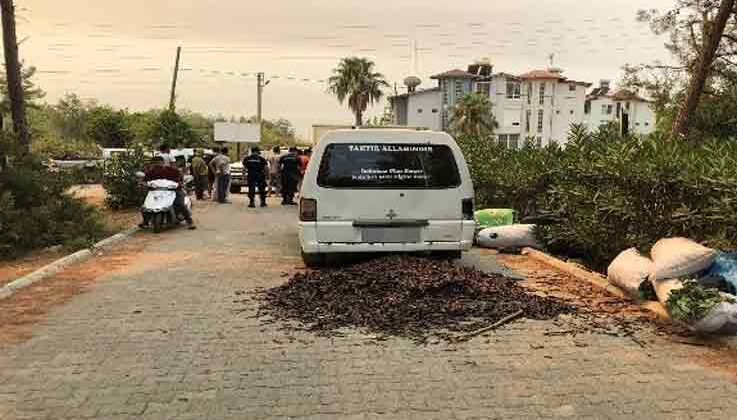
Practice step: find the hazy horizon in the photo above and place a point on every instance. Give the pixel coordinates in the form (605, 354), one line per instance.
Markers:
(122, 53)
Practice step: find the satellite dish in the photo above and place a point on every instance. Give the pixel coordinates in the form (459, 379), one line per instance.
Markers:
(412, 82)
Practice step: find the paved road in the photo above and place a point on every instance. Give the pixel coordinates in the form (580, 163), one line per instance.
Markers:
(162, 340)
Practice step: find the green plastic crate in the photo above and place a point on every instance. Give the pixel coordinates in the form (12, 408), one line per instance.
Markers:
(487, 218)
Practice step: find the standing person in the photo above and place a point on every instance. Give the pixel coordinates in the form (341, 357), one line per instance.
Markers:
(165, 153)
(222, 166)
(302, 160)
(289, 168)
(210, 171)
(213, 166)
(256, 166)
(199, 172)
(275, 171)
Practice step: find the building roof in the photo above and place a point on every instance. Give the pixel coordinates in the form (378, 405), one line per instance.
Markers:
(417, 92)
(454, 74)
(586, 84)
(542, 74)
(626, 95)
(600, 91)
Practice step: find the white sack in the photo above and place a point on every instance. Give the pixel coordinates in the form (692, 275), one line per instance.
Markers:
(679, 258)
(629, 270)
(723, 316)
(664, 287)
(512, 236)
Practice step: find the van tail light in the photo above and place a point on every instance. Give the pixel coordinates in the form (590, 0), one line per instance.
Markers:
(307, 210)
(467, 205)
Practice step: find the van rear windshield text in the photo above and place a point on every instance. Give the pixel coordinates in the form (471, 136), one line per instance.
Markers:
(388, 166)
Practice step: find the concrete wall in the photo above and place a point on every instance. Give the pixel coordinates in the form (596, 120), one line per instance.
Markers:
(425, 110)
(642, 116)
(567, 108)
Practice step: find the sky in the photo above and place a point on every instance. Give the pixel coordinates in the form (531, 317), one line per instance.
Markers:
(122, 52)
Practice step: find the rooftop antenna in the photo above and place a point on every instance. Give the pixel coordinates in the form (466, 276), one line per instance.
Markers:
(415, 56)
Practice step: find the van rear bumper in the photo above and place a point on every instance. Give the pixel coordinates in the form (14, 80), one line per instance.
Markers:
(311, 245)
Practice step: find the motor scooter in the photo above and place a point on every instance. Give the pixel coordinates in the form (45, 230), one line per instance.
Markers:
(158, 208)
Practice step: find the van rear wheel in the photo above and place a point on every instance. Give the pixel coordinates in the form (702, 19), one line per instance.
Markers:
(313, 260)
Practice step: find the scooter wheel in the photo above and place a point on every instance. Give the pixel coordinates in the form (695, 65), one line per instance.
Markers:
(158, 222)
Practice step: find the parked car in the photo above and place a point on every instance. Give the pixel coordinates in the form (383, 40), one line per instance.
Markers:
(237, 177)
(386, 190)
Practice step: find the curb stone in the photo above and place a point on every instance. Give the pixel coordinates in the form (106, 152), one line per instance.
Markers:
(62, 263)
(595, 279)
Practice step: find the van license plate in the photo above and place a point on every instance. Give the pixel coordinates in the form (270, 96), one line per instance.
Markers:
(390, 235)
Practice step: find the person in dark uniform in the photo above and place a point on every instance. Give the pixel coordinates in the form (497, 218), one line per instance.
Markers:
(290, 175)
(256, 166)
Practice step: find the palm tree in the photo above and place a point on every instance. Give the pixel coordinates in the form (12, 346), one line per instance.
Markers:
(472, 116)
(355, 80)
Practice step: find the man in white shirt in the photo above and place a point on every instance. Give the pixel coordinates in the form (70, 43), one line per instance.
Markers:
(221, 164)
(165, 153)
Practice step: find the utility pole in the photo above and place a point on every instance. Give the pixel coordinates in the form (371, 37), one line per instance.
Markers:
(259, 101)
(14, 78)
(173, 97)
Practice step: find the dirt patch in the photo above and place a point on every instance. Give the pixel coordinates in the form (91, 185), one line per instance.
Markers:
(115, 220)
(548, 281)
(12, 270)
(19, 313)
(611, 315)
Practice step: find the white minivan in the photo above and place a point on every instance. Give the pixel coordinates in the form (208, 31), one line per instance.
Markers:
(386, 190)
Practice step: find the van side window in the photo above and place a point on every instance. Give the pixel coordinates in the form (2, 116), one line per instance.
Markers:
(388, 166)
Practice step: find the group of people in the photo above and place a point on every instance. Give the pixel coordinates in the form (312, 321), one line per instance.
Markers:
(211, 174)
(279, 174)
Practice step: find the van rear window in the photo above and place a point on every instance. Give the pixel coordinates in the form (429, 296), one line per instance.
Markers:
(388, 166)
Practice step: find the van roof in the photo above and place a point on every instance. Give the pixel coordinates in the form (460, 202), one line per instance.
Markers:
(387, 135)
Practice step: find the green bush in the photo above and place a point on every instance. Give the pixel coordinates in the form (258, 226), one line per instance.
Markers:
(36, 212)
(119, 179)
(605, 193)
(510, 178)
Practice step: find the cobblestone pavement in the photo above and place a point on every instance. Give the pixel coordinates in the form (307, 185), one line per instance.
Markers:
(167, 339)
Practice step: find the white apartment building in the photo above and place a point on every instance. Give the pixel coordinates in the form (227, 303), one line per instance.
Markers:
(538, 106)
(633, 114)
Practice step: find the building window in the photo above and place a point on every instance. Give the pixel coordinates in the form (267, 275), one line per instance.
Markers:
(619, 109)
(529, 93)
(502, 139)
(540, 115)
(587, 107)
(419, 110)
(627, 106)
(572, 87)
(459, 89)
(542, 93)
(434, 110)
(514, 90)
(528, 117)
(483, 89)
(571, 112)
(513, 141)
(539, 141)
(607, 109)
(647, 123)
